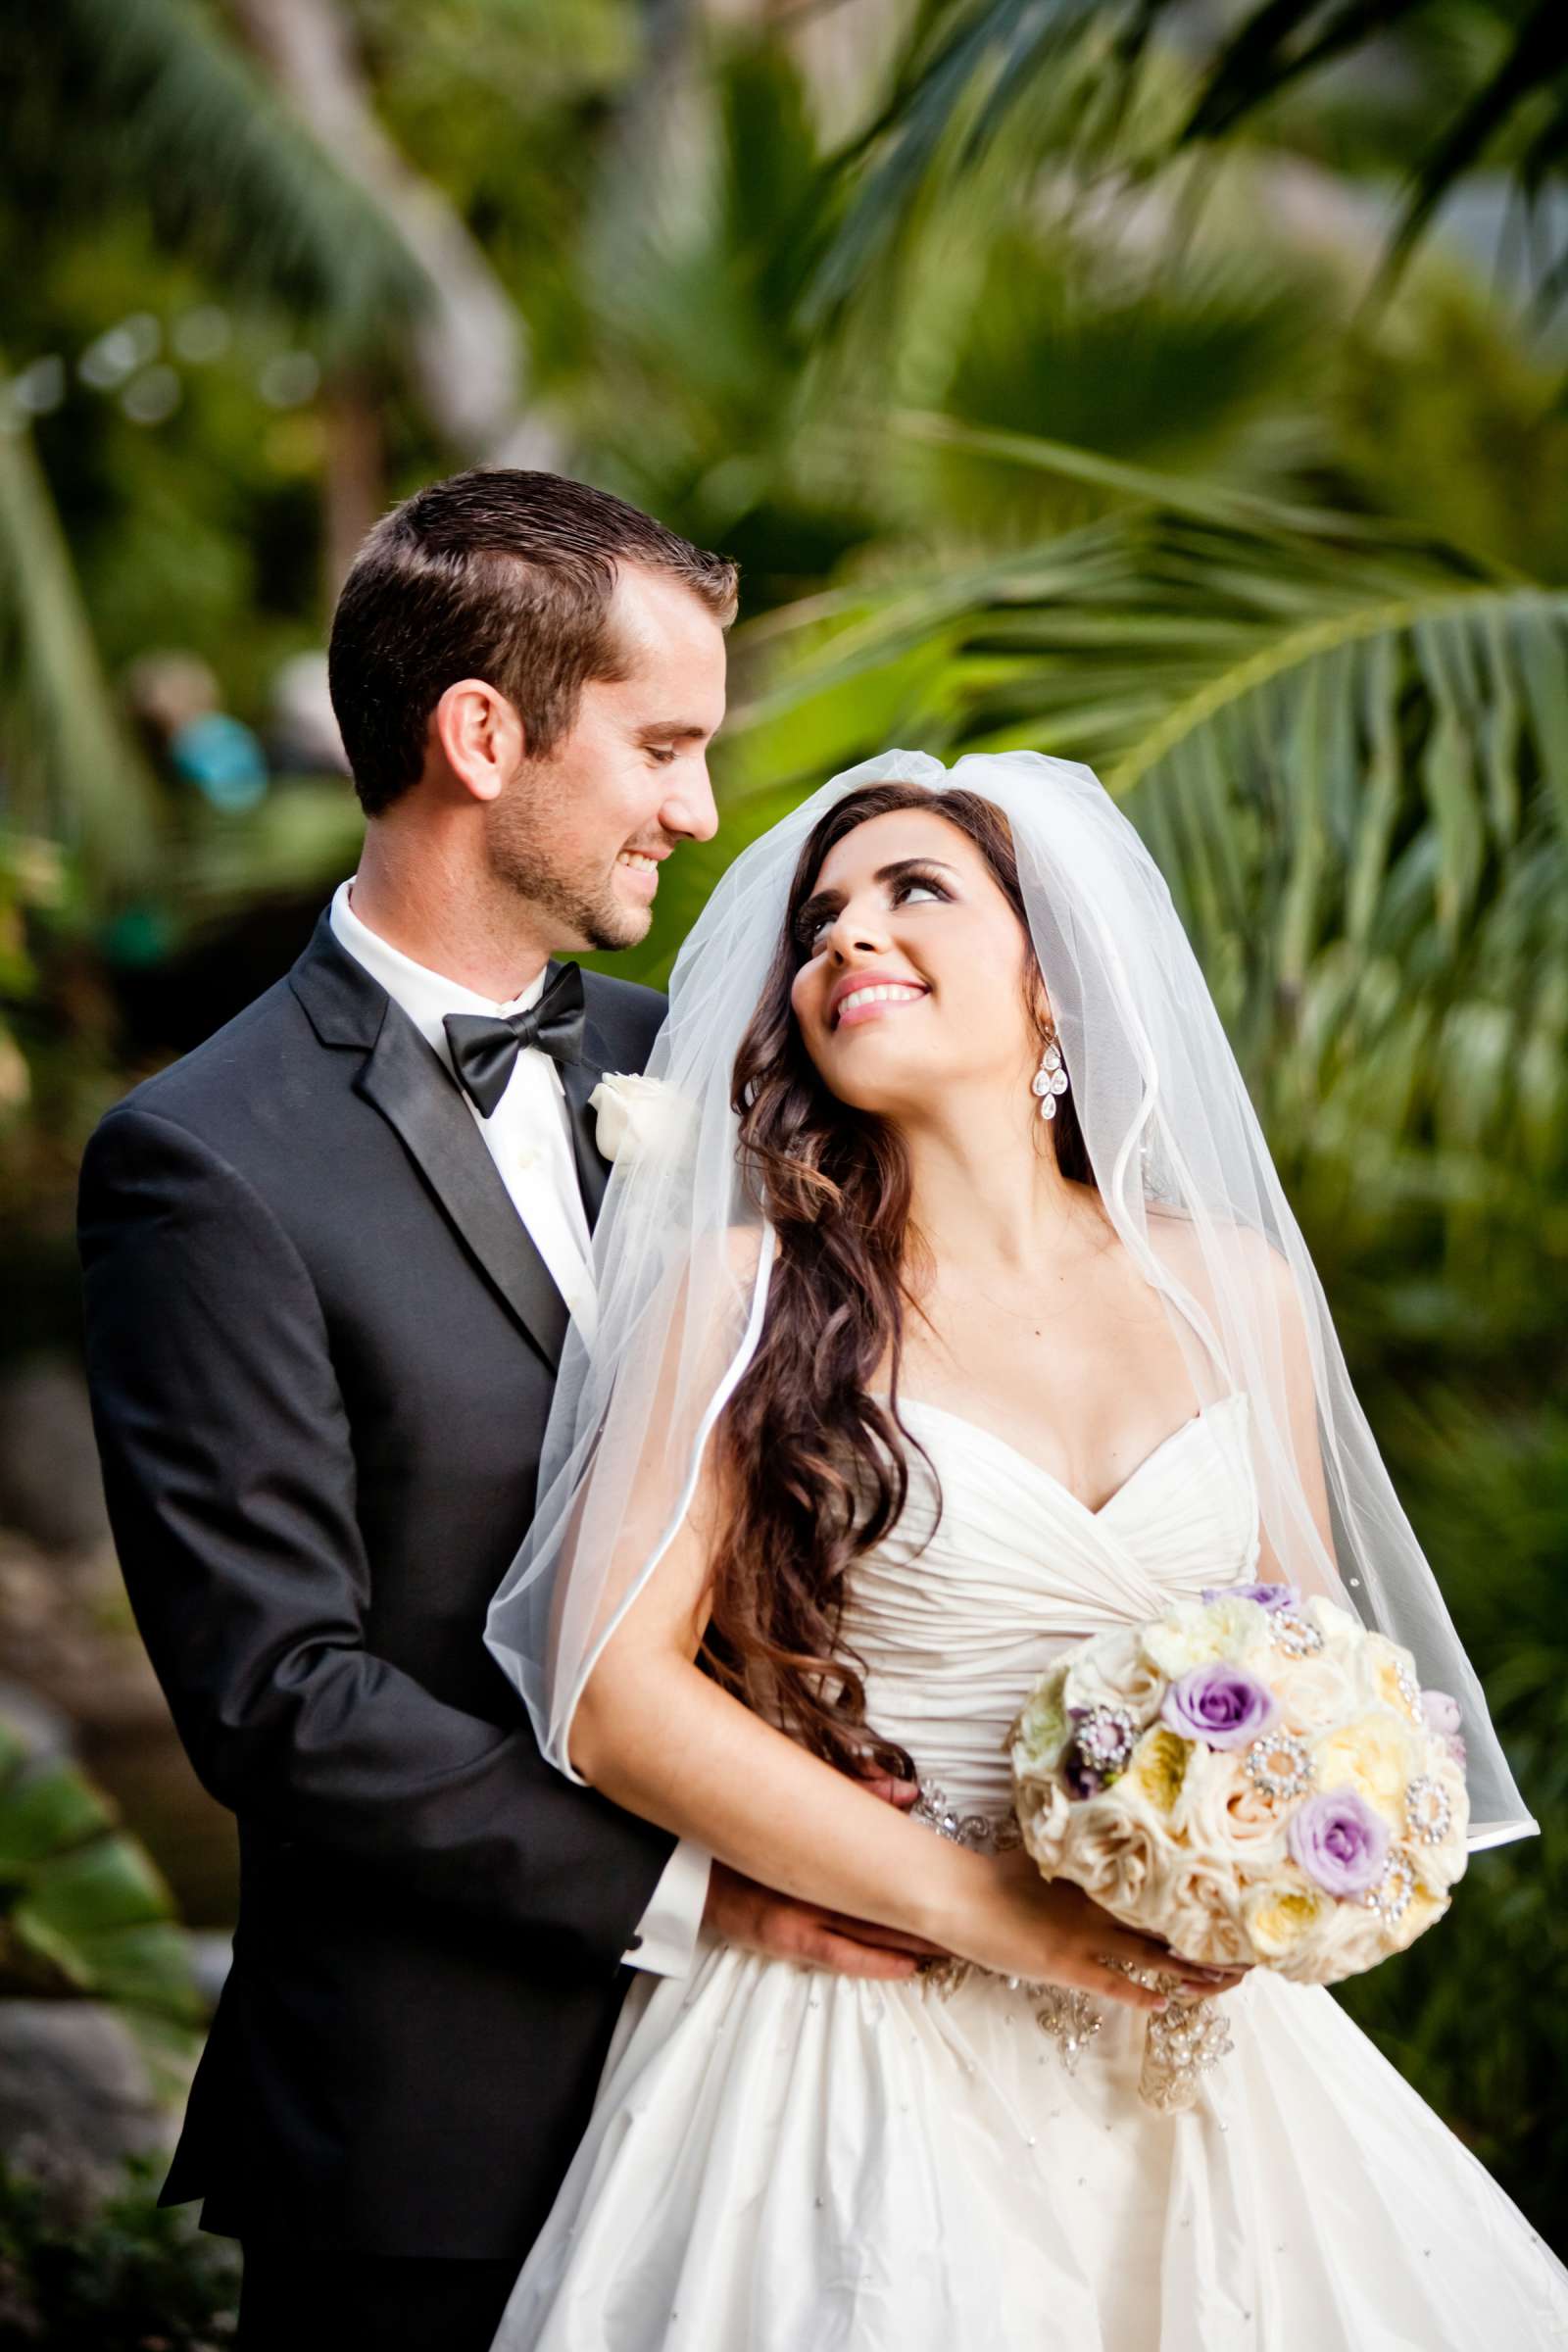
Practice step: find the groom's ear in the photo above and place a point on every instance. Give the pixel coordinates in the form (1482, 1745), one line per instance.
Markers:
(479, 735)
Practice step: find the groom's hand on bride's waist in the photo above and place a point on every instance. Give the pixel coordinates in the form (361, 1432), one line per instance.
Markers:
(781, 1928)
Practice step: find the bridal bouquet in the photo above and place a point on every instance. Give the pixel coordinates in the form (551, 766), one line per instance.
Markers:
(1252, 1778)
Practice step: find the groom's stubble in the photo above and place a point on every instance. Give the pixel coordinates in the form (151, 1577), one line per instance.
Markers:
(529, 852)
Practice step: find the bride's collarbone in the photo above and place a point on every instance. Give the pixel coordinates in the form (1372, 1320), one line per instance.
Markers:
(1085, 1417)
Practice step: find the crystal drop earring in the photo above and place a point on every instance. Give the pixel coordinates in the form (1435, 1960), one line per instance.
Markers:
(1049, 1080)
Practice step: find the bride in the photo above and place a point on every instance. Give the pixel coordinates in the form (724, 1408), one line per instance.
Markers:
(897, 1387)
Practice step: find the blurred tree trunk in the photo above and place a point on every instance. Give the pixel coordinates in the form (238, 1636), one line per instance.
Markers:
(70, 771)
(355, 493)
(469, 355)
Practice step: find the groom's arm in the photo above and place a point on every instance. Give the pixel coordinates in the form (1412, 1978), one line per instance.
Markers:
(230, 1479)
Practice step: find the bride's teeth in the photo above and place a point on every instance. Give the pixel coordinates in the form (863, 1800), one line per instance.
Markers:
(887, 992)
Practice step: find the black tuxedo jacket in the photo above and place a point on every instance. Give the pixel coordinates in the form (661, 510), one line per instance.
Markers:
(321, 1348)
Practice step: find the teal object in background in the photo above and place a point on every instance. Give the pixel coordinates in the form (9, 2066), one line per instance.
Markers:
(222, 759)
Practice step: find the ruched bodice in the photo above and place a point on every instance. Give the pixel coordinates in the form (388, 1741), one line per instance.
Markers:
(960, 1610)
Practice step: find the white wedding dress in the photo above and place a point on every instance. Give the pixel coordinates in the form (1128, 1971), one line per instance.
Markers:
(784, 2160)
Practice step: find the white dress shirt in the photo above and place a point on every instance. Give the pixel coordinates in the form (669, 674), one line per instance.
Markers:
(529, 1136)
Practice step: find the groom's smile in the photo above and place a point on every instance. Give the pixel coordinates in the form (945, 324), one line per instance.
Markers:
(643, 865)
(582, 832)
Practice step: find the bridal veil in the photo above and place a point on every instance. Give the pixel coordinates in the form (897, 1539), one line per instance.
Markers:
(684, 1259)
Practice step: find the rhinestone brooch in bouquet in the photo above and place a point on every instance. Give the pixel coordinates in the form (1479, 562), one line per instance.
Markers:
(1254, 1779)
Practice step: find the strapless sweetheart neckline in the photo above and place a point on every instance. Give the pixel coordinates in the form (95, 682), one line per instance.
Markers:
(991, 1436)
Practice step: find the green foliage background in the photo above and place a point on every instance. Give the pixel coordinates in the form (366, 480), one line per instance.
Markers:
(1026, 359)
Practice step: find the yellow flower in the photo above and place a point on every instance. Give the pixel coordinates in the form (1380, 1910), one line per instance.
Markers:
(1280, 1921)
(1388, 1663)
(1158, 1767)
(1374, 1755)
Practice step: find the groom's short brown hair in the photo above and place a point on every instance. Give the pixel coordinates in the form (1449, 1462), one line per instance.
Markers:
(494, 574)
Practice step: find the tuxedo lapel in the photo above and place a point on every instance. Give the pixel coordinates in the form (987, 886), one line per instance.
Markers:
(578, 1079)
(411, 1088)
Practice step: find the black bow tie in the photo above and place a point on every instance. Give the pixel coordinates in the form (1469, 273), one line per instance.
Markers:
(485, 1046)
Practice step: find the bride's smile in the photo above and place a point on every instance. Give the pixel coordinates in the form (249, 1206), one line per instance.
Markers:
(862, 996)
(905, 920)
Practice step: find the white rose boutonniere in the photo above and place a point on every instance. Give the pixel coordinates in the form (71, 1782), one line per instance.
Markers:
(640, 1118)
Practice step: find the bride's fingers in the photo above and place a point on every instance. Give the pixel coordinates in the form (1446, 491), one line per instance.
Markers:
(1201, 1983)
(1122, 1959)
(893, 1940)
(1137, 1951)
(1105, 1979)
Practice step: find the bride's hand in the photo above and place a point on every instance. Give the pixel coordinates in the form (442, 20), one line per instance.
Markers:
(1050, 1931)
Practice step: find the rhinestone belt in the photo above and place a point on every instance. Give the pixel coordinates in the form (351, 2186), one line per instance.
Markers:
(1182, 2042)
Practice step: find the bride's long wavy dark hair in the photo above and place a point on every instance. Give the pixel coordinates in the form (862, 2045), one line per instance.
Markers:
(812, 1464)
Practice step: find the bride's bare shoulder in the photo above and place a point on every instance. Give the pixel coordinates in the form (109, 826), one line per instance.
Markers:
(1200, 1256)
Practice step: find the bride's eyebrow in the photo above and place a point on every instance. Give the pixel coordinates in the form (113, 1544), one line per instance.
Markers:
(828, 902)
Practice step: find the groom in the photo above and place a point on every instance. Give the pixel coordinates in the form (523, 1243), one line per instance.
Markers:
(329, 1259)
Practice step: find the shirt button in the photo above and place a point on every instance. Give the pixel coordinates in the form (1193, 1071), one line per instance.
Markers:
(528, 1155)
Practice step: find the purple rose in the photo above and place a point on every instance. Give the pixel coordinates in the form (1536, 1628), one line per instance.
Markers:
(1268, 1595)
(1222, 1705)
(1338, 1841)
(1442, 1713)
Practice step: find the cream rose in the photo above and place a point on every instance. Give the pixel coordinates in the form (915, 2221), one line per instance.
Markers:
(1201, 1631)
(1045, 1819)
(1224, 1818)
(1199, 1915)
(1110, 1671)
(1338, 1629)
(1315, 1694)
(638, 1118)
(1120, 1859)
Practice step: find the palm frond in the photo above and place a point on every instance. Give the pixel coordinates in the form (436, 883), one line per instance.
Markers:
(70, 771)
(150, 100)
(970, 69)
(953, 82)
(1533, 79)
